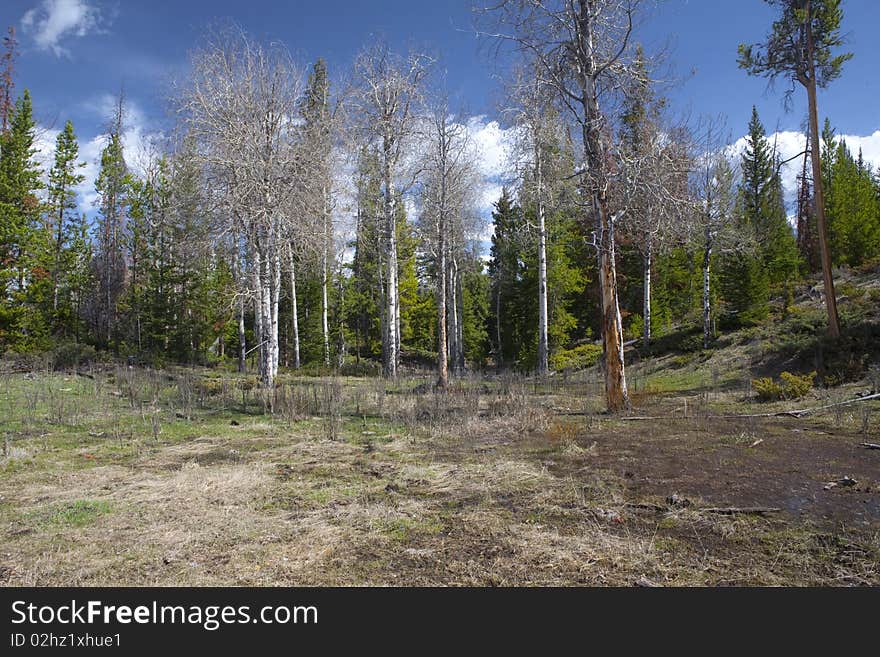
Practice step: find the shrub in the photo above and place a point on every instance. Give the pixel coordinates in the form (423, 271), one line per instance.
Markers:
(793, 386)
(579, 357)
(72, 354)
(363, 368)
(690, 343)
(767, 389)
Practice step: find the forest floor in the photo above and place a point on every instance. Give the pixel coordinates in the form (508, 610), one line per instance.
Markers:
(135, 476)
(132, 478)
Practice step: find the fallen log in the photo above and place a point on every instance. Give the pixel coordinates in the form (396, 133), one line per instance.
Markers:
(726, 511)
(871, 445)
(741, 510)
(646, 507)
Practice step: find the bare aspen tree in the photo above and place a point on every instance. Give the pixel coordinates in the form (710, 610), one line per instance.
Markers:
(654, 167)
(654, 199)
(241, 106)
(532, 100)
(294, 313)
(582, 49)
(388, 95)
(713, 225)
(448, 189)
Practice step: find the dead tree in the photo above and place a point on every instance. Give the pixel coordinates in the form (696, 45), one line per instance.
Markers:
(388, 94)
(448, 192)
(582, 48)
(241, 106)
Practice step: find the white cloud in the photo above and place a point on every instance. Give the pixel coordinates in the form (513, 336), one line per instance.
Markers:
(54, 20)
(137, 140)
(789, 144)
(494, 146)
(870, 147)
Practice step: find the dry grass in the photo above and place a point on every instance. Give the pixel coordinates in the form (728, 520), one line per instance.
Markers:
(148, 481)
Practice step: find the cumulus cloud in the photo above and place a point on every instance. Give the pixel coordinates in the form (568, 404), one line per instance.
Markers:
(789, 144)
(496, 160)
(52, 21)
(494, 146)
(138, 142)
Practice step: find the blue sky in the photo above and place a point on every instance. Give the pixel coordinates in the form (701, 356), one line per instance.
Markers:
(76, 53)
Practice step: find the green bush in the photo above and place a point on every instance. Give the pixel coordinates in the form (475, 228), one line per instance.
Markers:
(584, 355)
(72, 354)
(767, 389)
(363, 368)
(690, 343)
(793, 386)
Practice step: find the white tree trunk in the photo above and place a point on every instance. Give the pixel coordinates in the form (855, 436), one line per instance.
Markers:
(452, 314)
(266, 357)
(259, 332)
(276, 297)
(459, 322)
(543, 339)
(240, 283)
(391, 341)
(442, 347)
(646, 301)
(294, 315)
(325, 327)
(707, 260)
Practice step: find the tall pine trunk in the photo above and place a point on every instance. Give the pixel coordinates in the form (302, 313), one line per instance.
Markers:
(616, 394)
(596, 163)
(818, 191)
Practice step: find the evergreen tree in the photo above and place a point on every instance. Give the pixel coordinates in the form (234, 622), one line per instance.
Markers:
(802, 47)
(365, 284)
(505, 271)
(768, 254)
(64, 176)
(853, 210)
(80, 275)
(25, 283)
(112, 186)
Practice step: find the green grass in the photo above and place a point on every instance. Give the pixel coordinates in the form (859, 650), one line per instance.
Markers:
(79, 513)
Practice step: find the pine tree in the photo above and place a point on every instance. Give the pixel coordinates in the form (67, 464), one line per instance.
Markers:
(63, 178)
(366, 285)
(317, 148)
(24, 282)
(802, 48)
(112, 186)
(505, 272)
(770, 255)
(7, 82)
(78, 258)
(853, 210)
